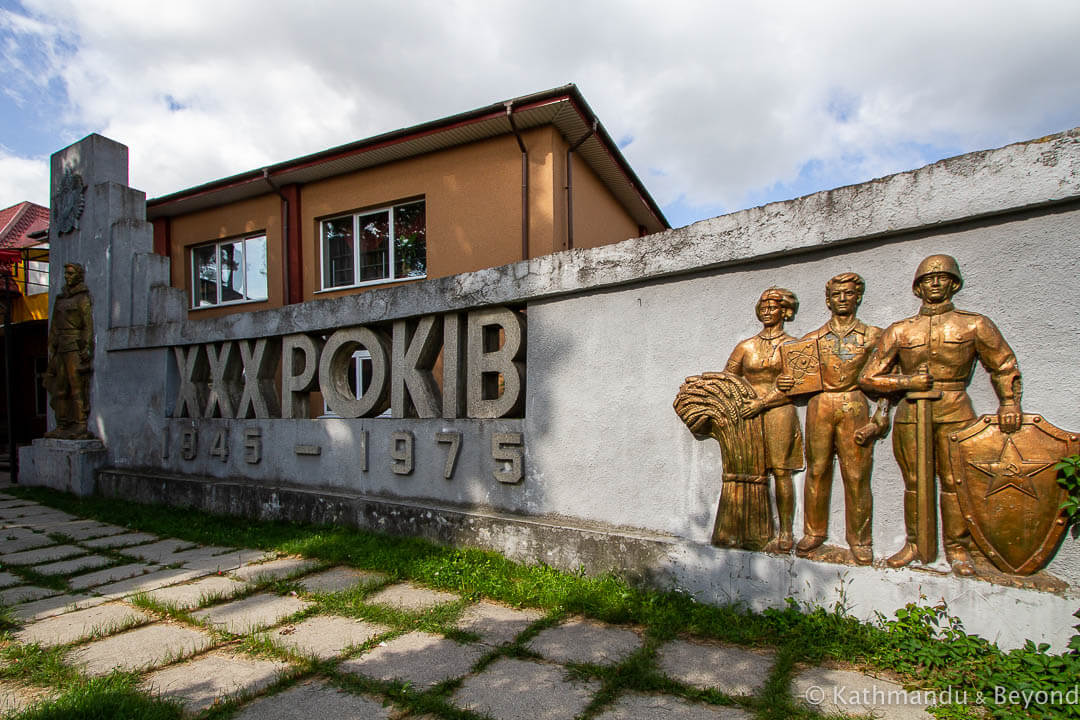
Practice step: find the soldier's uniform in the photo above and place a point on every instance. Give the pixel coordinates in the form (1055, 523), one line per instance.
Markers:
(71, 346)
(832, 417)
(947, 342)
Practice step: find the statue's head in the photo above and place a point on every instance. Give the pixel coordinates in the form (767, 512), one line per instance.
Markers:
(937, 279)
(844, 293)
(74, 274)
(779, 297)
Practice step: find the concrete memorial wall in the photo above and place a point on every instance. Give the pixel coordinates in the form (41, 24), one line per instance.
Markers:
(582, 461)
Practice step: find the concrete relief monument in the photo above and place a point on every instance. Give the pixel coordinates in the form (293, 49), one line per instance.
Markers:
(71, 357)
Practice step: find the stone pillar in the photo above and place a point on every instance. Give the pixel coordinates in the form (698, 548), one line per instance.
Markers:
(99, 222)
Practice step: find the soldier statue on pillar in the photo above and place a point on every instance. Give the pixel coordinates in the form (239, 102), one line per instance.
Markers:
(935, 352)
(71, 357)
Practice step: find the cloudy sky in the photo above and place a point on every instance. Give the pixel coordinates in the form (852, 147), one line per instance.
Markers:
(717, 105)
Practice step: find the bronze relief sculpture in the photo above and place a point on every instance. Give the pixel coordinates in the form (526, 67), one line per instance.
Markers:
(838, 421)
(929, 358)
(71, 357)
(757, 427)
(998, 487)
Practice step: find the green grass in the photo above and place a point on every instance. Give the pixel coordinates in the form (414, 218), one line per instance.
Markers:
(924, 646)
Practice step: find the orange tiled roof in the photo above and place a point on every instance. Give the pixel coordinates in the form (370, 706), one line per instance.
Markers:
(18, 221)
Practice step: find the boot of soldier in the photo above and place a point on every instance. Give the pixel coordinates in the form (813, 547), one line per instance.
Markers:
(956, 535)
(907, 554)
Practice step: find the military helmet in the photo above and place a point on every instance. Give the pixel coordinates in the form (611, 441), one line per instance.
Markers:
(938, 264)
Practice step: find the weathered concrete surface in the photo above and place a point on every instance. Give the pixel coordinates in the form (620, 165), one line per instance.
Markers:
(584, 641)
(55, 605)
(15, 698)
(337, 579)
(65, 465)
(160, 552)
(325, 636)
(42, 555)
(123, 540)
(148, 581)
(512, 689)
(69, 627)
(251, 613)
(410, 598)
(80, 530)
(315, 700)
(139, 649)
(7, 579)
(194, 594)
(273, 569)
(24, 593)
(17, 539)
(420, 659)
(639, 706)
(731, 670)
(66, 567)
(843, 691)
(201, 682)
(497, 624)
(108, 575)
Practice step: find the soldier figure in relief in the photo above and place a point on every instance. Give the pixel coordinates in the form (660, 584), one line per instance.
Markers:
(71, 355)
(936, 350)
(838, 423)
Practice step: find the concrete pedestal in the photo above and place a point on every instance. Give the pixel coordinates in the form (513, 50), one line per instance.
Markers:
(66, 465)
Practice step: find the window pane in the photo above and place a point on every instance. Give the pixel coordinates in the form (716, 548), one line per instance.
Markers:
(374, 249)
(232, 271)
(338, 252)
(255, 248)
(37, 277)
(410, 244)
(204, 265)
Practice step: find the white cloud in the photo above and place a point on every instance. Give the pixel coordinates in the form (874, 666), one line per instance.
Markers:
(23, 179)
(723, 101)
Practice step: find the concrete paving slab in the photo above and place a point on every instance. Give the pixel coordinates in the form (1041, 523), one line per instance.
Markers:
(497, 624)
(17, 539)
(731, 670)
(640, 706)
(113, 574)
(15, 697)
(337, 579)
(35, 510)
(511, 689)
(66, 567)
(202, 682)
(421, 659)
(411, 598)
(251, 613)
(315, 699)
(212, 559)
(274, 569)
(85, 530)
(42, 555)
(121, 540)
(844, 691)
(585, 641)
(325, 636)
(200, 592)
(160, 552)
(81, 624)
(56, 605)
(139, 649)
(7, 579)
(25, 593)
(148, 582)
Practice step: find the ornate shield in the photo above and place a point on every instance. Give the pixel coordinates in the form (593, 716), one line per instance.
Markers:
(1008, 489)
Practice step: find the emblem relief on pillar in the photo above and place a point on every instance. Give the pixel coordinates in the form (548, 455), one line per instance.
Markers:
(71, 357)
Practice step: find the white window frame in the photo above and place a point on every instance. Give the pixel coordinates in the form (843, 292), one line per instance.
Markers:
(389, 209)
(243, 270)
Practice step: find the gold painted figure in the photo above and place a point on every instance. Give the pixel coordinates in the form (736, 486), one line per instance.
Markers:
(71, 356)
(757, 359)
(935, 352)
(838, 422)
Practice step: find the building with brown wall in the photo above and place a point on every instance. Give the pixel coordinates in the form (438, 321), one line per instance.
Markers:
(513, 180)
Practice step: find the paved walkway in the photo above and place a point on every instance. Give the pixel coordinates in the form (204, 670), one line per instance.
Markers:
(286, 637)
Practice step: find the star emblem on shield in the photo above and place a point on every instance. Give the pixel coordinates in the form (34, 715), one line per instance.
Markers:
(1011, 470)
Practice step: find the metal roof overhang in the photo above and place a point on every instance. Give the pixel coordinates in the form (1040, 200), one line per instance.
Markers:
(564, 108)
